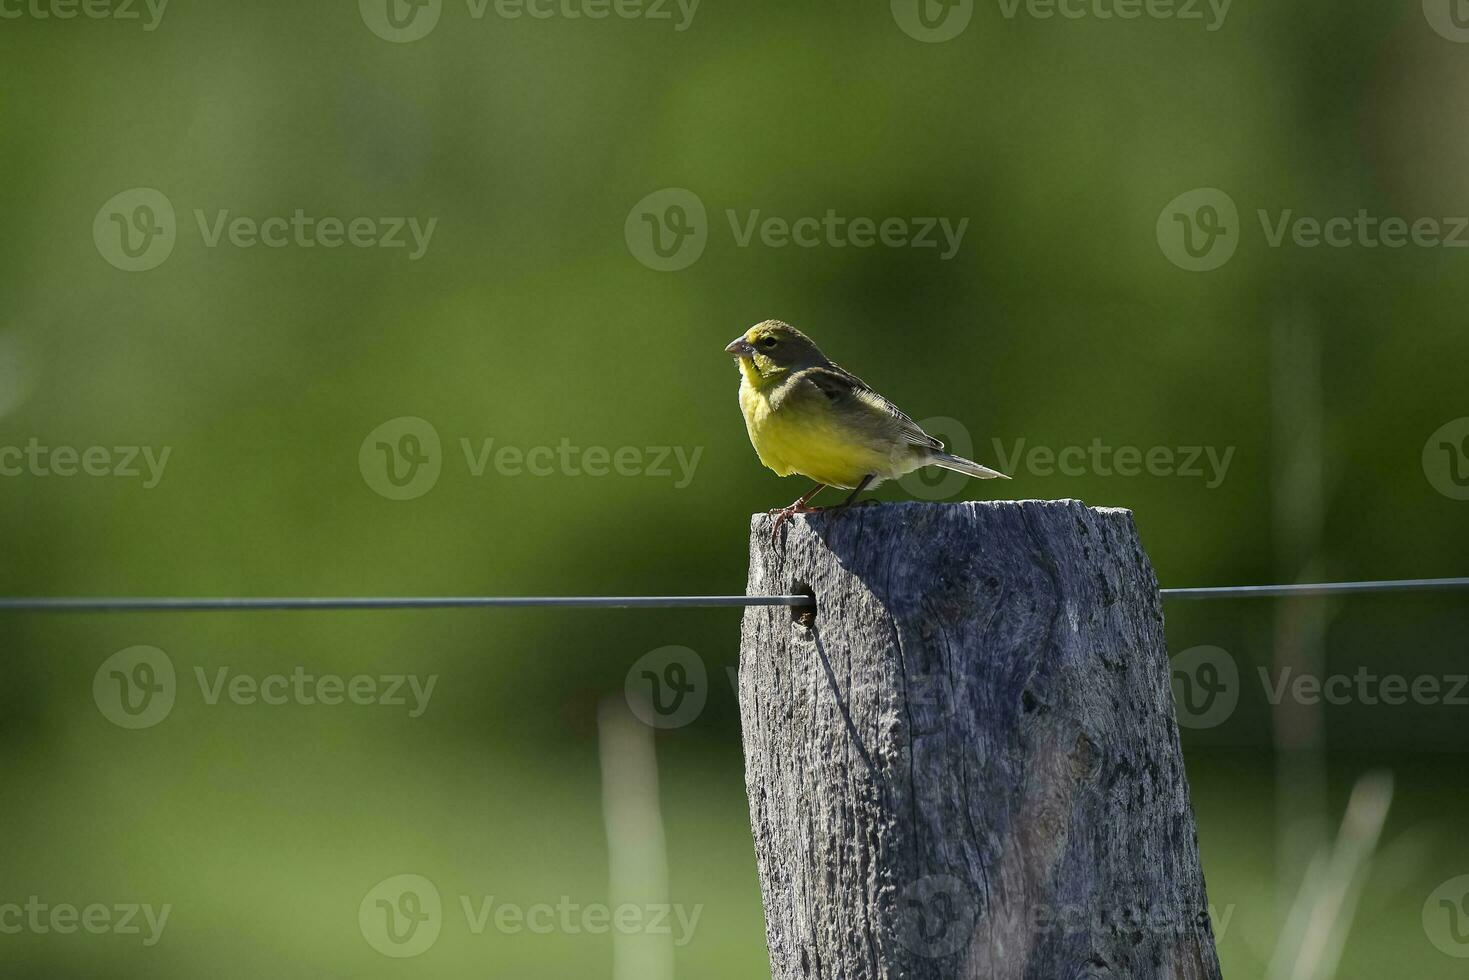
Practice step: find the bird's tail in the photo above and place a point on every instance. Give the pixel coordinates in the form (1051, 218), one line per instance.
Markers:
(966, 466)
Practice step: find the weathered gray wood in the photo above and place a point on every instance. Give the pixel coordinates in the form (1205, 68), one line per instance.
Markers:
(968, 765)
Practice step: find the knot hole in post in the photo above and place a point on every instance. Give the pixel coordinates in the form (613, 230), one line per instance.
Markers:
(803, 616)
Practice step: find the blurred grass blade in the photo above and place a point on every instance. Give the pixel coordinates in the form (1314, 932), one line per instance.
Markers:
(1321, 918)
(636, 850)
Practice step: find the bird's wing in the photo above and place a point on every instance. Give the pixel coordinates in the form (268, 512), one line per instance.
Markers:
(845, 388)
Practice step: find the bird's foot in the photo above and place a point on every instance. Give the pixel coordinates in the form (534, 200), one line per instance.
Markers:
(783, 515)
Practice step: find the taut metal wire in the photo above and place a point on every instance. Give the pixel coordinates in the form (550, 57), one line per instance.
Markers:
(77, 604)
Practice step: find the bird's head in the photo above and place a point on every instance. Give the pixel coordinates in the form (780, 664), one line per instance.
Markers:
(772, 349)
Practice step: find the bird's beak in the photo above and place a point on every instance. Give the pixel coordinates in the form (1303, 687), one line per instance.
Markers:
(740, 347)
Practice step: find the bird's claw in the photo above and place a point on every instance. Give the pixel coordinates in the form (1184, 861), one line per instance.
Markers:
(783, 515)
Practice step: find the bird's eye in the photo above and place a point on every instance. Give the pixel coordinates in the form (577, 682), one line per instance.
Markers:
(767, 342)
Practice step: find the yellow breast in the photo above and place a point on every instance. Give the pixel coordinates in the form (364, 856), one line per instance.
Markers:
(811, 442)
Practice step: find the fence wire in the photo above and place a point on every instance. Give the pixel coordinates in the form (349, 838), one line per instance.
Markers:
(82, 604)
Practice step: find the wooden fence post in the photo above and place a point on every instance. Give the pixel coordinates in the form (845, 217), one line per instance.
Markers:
(966, 763)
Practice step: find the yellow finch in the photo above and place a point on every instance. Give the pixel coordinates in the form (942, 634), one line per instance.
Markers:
(806, 415)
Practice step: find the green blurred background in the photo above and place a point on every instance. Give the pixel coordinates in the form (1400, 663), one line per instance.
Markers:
(531, 318)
